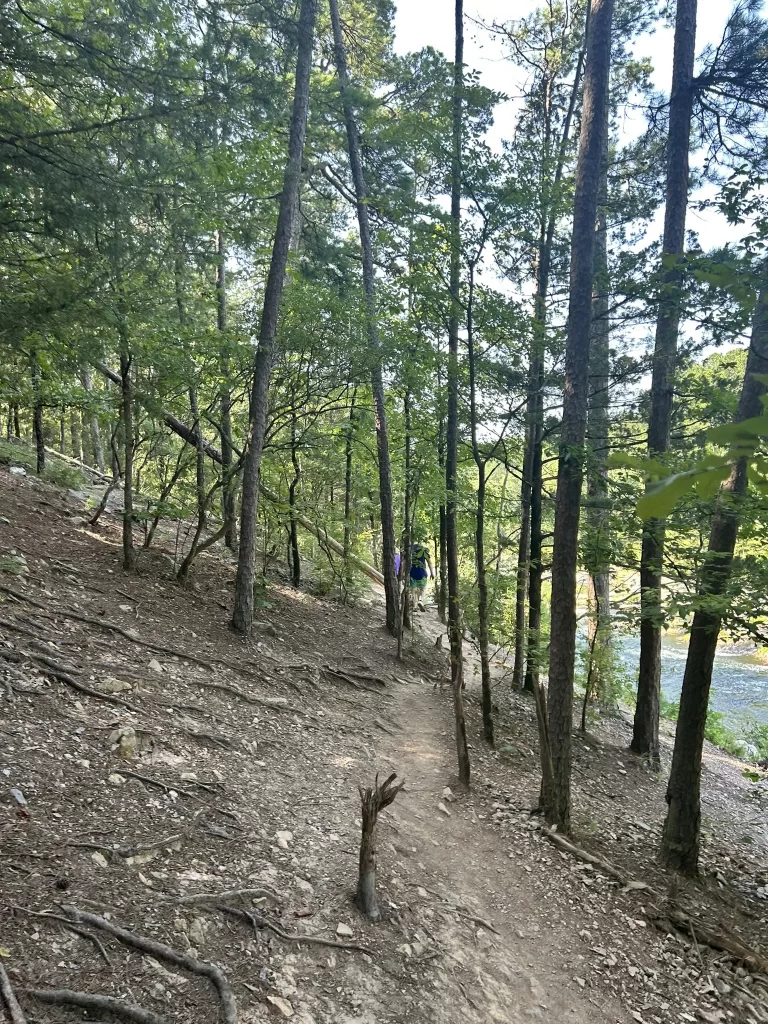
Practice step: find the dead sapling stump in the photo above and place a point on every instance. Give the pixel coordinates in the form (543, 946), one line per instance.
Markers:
(373, 800)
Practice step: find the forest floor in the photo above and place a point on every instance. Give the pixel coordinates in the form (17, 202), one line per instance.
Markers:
(205, 772)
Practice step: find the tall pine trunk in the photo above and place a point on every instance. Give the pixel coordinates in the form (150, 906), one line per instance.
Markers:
(388, 546)
(523, 561)
(680, 841)
(534, 455)
(482, 580)
(38, 432)
(562, 649)
(126, 409)
(293, 528)
(228, 482)
(452, 427)
(86, 379)
(599, 627)
(645, 736)
(242, 616)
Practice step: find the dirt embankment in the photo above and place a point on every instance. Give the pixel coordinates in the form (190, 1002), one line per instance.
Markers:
(203, 797)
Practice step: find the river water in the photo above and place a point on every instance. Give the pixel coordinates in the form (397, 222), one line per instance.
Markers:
(739, 681)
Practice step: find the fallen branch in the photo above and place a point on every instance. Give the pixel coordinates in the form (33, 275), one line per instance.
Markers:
(162, 952)
(725, 941)
(257, 921)
(608, 869)
(6, 990)
(89, 1001)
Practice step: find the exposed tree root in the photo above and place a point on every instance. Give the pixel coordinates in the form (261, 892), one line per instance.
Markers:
(162, 952)
(9, 999)
(89, 1001)
(56, 671)
(345, 677)
(107, 626)
(274, 703)
(257, 921)
(228, 894)
(564, 844)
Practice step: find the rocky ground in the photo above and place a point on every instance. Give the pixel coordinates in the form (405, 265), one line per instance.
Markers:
(173, 797)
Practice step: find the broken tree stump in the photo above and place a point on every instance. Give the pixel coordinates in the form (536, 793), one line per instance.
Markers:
(373, 800)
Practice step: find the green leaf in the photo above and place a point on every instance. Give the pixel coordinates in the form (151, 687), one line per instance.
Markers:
(662, 496)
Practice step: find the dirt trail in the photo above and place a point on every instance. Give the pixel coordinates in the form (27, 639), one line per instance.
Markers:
(527, 970)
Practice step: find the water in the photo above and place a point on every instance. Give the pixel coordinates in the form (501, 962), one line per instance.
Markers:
(739, 681)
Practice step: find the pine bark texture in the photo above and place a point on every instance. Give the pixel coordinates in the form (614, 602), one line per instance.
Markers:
(562, 650)
(599, 627)
(129, 557)
(242, 617)
(680, 841)
(228, 480)
(645, 736)
(388, 547)
(452, 426)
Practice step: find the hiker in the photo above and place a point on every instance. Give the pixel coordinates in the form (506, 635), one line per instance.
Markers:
(421, 572)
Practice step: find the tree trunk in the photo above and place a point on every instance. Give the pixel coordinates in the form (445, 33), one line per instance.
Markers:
(405, 547)
(523, 561)
(482, 581)
(37, 411)
(63, 431)
(229, 484)
(535, 568)
(129, 557)
(680, 841)
(562, 649)
(293, 543)
(388, 548)
(242, 617)
(645, 737)
(202, 498)
(599, 627)
(452, 430)
(547, 224)
(86, 380)
(442, 565)
(76, 436)
(348, 463)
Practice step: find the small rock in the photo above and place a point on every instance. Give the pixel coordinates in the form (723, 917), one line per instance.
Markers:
(125, 741)
(282, 1006)
(155, 666)
(17, 471)
(405, 949)
(344, 931)
(303, 884)
(125, 607)
(116, 780)
(100, 859)
(19, 797)
(448, 794)
(196, 931)
(284, 838)
(441, 807)
(111, 685)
